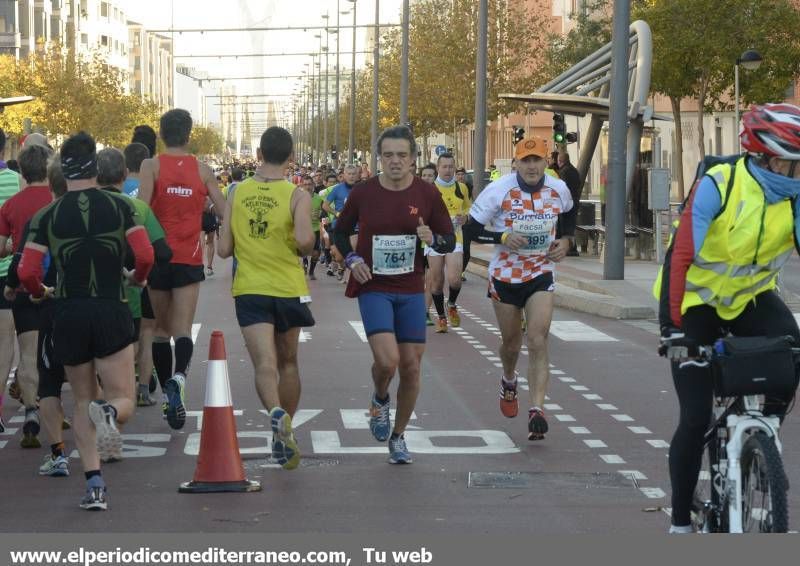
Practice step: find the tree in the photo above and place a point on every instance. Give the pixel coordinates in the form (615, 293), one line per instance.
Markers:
(205, 141)
(72, 93)
(697, 62)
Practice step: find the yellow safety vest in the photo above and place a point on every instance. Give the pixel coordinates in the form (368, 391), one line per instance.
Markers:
(744, 249)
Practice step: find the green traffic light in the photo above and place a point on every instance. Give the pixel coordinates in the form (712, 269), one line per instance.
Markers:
(559, 138)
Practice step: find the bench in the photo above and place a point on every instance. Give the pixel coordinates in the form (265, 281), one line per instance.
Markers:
(595, 234)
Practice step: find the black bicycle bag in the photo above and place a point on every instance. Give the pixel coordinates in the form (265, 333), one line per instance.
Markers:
(754, 366)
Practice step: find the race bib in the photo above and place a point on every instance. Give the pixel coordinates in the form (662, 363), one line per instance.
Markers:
(393, 255)
(539, 234)
(456, 225)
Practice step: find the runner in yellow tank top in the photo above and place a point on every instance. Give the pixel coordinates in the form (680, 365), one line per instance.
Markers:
(268, 228)
(456, 197)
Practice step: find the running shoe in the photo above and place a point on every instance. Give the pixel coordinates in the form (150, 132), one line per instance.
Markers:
(153, 384)
(398, 451)
(54, 467)
(164, 406)
(380, 420)
(65, 424)
(463, 275)
(329, 273)
(312, 277)
(210, 271)
(284, 447)
(537, 424)
(175, 388)
(95, 498)
(143, 399)
(455, 318)
(30, 430)
(441, 325)
(509, 405)
(2, 425)
(428, 320)
(340, 275)
(109, 440)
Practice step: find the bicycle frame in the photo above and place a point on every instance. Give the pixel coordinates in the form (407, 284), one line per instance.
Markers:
(739, 426)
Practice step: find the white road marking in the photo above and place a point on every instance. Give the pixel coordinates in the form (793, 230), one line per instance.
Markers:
(595, 443)
(497, 365)
(556, 372)
(9, 431)
(305, 336)
(612, 459)
(359, 419)
(567, 379)
(17, 419)
(579, 388)
(623, 418)
(552, 407)
(658, 443)
(653, 492)
(606, 407)
(579, 430)
(565, 418)
(358, 326)
(639, 430)
(3, 444)
(301, 417)
(199, 416)
(419, 441)
(592, 397)
(633, 474)
(576, 331)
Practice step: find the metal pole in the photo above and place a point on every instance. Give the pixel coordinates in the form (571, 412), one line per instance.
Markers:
(351, 141)
(658, 225)
(614, 261)
(404, 68)
(319, 104)
(312, 131)
(479, 149)
(373, 149)
(338, 70)
(736, 97)
(325, 122)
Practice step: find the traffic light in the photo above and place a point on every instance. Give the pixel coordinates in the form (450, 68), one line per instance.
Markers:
(519, 134)
(334, 153)
(559, 128)
(572, 137)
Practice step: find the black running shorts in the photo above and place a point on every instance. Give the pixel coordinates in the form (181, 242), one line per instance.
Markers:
(517, 294)
(168, 276)
(283, 313)
(89, 328)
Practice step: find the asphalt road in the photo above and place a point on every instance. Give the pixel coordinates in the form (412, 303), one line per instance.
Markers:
(601, 469)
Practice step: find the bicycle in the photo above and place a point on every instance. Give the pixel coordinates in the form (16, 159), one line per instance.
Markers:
(742, 486)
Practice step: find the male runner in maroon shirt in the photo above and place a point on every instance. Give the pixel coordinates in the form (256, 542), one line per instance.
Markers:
(395, 212)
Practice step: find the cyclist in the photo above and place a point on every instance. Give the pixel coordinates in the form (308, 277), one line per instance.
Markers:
(735, 233)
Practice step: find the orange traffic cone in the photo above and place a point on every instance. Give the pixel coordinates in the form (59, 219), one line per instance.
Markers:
(219, 465)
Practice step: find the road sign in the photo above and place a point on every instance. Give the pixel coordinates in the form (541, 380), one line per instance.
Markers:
(440, 149)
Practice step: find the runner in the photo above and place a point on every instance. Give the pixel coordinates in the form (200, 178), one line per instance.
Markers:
(269, 224)
(520, 214)
(395, 212)
(461, 177)
(176, 185)
(135, 154)
(316, 213)
(336, 199)
(111, 170)
(14, 216)
(331, 180)
(9, 186)
(50, 371)
(456, 198)
(93, 330)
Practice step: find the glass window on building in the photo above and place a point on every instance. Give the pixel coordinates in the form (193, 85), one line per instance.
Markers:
(104, 10)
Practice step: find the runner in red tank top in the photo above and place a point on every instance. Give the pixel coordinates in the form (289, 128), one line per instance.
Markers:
(176, 185)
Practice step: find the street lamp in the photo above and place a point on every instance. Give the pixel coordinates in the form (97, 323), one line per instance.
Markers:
(325, 118)
(351, 141)
(750, 60)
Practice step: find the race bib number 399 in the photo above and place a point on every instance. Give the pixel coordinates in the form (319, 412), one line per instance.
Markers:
(539, 234)
(393, 255)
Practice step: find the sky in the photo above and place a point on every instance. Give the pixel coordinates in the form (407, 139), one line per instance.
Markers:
(177, 14)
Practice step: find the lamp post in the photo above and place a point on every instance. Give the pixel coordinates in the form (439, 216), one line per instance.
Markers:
(404, 68)
(750, 60)
(373, 151)
(351, 141)
(325, 113)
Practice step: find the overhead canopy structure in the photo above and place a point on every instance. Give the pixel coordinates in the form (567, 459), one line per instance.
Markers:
(584, 89)
(14, 100)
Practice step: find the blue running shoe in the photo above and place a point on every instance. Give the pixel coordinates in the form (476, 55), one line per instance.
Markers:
(398, 452)
(175, 388)
(284, 447)
(95, 498)
(380, 421)
(54, 467)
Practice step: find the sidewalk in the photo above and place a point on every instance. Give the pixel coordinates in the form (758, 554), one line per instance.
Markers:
(580, 285)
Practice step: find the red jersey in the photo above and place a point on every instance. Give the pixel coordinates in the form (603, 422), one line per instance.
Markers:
(19, 209)
(383, 218)
(178, 200)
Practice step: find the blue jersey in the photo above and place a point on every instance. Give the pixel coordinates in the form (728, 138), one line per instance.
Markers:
(338, 196)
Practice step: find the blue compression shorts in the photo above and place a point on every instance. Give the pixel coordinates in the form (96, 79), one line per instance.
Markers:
(400, 314)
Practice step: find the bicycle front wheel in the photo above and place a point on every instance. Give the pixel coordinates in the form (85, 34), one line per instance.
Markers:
(764, 486)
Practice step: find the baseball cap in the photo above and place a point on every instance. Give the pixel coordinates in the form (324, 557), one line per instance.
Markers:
(461, 170)
(35, 139)
(531, 146)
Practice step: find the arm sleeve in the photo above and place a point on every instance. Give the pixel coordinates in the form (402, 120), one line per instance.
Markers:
(701, 208)
(31, 271)
(477, 232)
(142, 252)
(12, 279)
